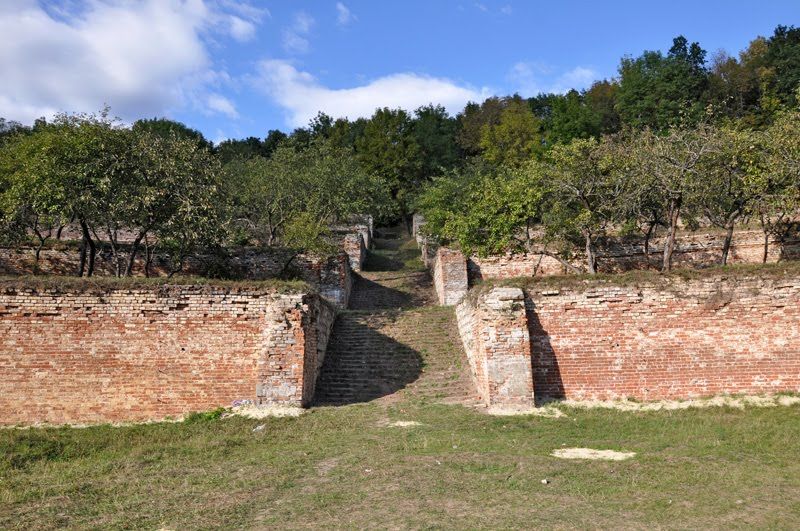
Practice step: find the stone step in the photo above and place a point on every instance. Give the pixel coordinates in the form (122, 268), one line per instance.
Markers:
(392, 340)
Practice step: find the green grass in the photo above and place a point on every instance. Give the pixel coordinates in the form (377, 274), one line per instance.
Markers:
(343, 467)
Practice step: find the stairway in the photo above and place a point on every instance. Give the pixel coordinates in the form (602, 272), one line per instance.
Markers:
(394, 343)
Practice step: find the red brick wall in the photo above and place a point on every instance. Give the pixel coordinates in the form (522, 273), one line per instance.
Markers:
(331, 275)
(693, 250)
(494, 332)
(678, 339)
(666, 339)
(103, 355)
(449, 275)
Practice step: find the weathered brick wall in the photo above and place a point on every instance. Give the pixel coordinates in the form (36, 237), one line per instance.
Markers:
(449, 275)
(98, 354)
(329, 275)
(668, 338)
(356, 250)
(674, 339)
(494, 331)
(615, 255)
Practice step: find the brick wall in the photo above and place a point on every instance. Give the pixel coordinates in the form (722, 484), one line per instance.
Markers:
(616, 255)
(449, 269)
(668, 338)
(88, 354)
(356, 250)
(330, 275)
(495, 336)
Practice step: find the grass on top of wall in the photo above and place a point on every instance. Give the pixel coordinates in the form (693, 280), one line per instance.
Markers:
(350, 467)
(581, 282)
(109, 284)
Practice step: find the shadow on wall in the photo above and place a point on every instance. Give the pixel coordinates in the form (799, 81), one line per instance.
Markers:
(363, 364)
(547, 382)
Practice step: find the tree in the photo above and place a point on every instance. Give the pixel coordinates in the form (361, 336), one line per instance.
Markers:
(782, 57)
(473, 119)
(65, 171)
(656, 91)
(671, 165)
(389, 150)
(291, 198)
(516, 137)
(435, 134)
(587, 191)
(166, 128)
(484, 209)
(731, 181)
(172, 192)
(572, 118)
(247, 148)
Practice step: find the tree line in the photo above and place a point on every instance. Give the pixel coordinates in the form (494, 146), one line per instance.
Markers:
(512, 155)
(630, 183)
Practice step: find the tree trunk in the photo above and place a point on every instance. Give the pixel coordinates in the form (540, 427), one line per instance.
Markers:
(87, 238)
(134, 249)
(726, 246)
(669, 244)
(591, 256)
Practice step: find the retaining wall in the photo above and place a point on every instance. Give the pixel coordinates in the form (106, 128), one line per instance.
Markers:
(331, 276)
(663, 339)
(87, 353)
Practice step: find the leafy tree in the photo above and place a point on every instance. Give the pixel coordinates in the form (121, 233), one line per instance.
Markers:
(166, 128)
(671, 166)
(388, 149)
(516, 137)
(731, 180)
(572, 118)
(292, 197)
(601, 98)
(65, 171)
(435, 134)
(246, 148)
(587, 192)
(656, 91)
(172, 191)
(473, 119)
(484, 209)
(783, 59)
(274, 139)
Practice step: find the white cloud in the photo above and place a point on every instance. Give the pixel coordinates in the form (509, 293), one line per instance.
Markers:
(294, 37)
(506, 10)
(142, 58)
(578, 78)
(302, 96)
(222, 105)
(482, 7)
(242, 30)
(343, 14)
(530, 79)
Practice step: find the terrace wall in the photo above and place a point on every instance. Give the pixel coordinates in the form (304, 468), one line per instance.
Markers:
(88, 353)
(331, 276)
(667, 338)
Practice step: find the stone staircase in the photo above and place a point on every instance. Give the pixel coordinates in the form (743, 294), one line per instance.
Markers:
(394, 343)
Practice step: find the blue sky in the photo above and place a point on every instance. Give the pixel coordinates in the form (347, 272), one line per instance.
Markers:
(236, 68)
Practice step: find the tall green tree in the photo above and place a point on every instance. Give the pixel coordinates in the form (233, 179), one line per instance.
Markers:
(588, 192)
(658, 91)
(388, 148)
(516, 138)
(435, 134)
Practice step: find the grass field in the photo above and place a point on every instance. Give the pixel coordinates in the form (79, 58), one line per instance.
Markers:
(348, 467)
